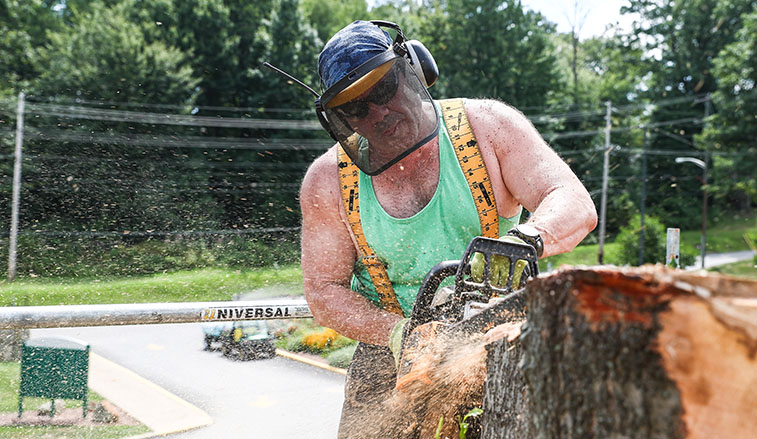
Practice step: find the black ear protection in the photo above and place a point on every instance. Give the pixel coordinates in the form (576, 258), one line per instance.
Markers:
(414, 52)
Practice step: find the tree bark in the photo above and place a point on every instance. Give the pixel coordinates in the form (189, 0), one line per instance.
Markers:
(505, 393)
(629, 353)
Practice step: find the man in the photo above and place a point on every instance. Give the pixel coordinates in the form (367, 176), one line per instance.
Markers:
(415, 206)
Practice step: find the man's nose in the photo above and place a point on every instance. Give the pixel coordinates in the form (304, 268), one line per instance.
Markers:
(376, 112)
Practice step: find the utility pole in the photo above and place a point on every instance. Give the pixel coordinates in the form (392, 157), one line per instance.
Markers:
(707, 103)
(643, 193)
(16, 189)
(605, 176)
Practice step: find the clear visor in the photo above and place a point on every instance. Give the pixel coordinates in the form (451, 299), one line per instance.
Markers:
(382, 116)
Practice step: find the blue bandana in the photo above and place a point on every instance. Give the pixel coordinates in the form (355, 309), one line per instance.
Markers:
(349, 48)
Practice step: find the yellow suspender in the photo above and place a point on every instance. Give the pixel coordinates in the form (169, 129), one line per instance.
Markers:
(469, 155)
(348, 181)
(472, 164)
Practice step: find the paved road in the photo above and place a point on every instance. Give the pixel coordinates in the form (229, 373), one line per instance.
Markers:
(268, 398)
(715, 259)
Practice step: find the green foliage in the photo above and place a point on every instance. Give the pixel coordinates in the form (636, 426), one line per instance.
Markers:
(24, 25)
(73, 432)
(655, 240)
(684, 39)
(490, 49)
(439, 425)
(342, 356)
(308, 336)
(464, 424)
(103, 55)
(327, 17)
(732, 128)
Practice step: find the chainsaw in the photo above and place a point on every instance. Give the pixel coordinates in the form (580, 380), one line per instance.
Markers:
(473, 306)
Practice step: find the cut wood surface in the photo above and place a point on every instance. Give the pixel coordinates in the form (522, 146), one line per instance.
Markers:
(645, 352)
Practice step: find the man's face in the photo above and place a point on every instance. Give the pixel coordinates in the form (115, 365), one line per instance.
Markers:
(390, 115)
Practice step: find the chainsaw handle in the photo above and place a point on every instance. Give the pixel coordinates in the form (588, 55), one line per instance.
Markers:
(428, 288)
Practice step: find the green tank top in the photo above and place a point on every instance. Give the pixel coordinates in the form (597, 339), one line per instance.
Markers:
(410, 247)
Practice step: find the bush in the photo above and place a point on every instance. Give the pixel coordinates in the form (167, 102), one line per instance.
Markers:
(308, 336)
(655, 240)
(342, 357)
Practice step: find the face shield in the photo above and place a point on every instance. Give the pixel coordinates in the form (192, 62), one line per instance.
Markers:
(380, 112)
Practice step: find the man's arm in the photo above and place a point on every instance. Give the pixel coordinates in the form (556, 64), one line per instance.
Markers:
(533, 175)
(328, 257)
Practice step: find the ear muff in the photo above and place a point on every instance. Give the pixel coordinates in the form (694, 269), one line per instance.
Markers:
(420, 58)
(422, 61)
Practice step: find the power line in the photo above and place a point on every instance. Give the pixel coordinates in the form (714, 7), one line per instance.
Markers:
(226, 164)
(195, 142)
(553, 136)
(73, 112)
(78, 101)
(142, 234)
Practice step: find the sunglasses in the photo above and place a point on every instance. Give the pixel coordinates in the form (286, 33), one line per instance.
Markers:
(381, 93)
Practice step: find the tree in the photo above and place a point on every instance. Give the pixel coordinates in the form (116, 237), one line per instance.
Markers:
(682, 38)
(606, 69)
(327, 16)
(24, 25)
(294, 46)
(732, 130)
(488, 48)
(105, 56)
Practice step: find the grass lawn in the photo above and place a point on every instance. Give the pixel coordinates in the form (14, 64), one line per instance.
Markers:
(743, 268)
(727, 235)
(9, 382)
(183, 286)
(581, 255)
(72, 432)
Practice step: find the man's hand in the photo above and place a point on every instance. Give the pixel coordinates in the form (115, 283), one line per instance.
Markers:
(395, 340)
(499, 267)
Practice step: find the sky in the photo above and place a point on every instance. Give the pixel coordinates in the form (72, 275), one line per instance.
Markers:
(594, 14)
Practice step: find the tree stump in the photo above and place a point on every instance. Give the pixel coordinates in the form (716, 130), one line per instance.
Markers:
(505, 393)
(628, 353)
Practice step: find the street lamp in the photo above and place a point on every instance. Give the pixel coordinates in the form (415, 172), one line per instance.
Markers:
(702, 165)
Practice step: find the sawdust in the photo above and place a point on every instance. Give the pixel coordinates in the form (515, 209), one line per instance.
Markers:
(456, 386)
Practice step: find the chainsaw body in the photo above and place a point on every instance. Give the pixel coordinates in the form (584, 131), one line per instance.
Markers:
(471, 307)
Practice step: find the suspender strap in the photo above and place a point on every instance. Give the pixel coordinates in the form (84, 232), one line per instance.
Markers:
(349, 184)
(469, 155)
(472, 163)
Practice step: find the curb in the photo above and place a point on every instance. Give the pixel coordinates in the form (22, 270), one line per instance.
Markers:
(140, 398)
(310, 361)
